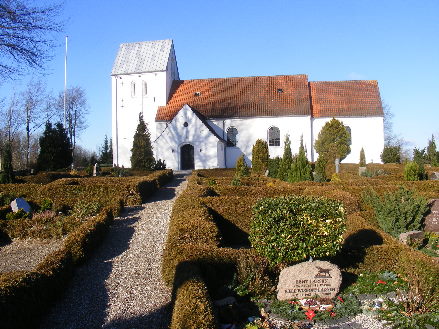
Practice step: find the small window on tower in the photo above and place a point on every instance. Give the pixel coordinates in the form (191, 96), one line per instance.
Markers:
(145, 88)
(133, 89)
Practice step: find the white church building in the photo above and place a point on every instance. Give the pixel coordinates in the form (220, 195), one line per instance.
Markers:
(209, 123)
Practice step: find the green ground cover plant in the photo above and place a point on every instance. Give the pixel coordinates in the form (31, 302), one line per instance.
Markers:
(292, 229)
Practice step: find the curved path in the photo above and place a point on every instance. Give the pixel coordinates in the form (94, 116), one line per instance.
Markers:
(120, 286)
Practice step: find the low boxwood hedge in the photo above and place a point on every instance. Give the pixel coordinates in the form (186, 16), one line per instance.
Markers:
(197, 261)
(25, 296)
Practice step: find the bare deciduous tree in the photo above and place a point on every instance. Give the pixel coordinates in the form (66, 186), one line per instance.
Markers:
(36, 110)
(26, 35)
(76, 112)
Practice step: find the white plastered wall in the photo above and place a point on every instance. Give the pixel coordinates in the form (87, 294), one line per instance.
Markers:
(251, 129)
(173, 135)
(366, 132)
(126, 106)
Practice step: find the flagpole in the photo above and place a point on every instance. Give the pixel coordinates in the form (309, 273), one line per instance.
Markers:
(65, 83)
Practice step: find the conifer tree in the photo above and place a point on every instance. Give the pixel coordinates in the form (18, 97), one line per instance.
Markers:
(142, 157)
(300, 166)
(241, 168)
(55, 152)
(333, 141)
(432, 153)
(286, 161)
(7, 176)
(260, 157)
(362, 158)
(106, 151)
(320, 169)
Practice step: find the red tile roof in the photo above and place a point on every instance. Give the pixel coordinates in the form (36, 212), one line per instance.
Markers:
(345, 98)
(240, 97)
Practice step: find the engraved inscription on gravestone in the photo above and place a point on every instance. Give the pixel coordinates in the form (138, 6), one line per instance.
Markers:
(309, 279)
(432, 219)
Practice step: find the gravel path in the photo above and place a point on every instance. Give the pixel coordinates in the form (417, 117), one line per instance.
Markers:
(120, 286)
(24, 255)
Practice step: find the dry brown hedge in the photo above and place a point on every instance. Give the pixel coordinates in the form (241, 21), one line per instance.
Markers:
(211, 215)
(31, 293)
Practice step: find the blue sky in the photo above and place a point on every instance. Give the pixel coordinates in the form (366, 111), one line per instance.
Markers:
(394, 42)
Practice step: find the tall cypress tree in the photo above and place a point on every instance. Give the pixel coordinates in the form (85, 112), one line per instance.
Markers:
(260, 156)
(55, 152)
(432, 154)
(285, 163)
(300, 166)
(106, 151)
(7, 176)
(142, 156)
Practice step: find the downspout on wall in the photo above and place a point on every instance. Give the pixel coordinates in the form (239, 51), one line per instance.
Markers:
(225, 146)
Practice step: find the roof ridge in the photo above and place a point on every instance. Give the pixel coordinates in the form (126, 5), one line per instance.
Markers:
(251, 76)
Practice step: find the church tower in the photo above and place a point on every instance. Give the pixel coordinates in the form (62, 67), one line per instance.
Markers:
(141, 81)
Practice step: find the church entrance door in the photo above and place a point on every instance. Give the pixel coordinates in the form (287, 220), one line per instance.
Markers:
(187, 157)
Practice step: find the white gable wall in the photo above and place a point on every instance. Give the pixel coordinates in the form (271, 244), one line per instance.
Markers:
(172, 136)
(251, 129)
(366, 132)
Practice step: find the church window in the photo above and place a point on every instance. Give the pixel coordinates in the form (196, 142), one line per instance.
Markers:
(273, 136)
(232, 133)
(145, 88)
(133, 89)
(350, 134)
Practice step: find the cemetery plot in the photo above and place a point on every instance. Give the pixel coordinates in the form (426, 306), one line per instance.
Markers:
(210, 255)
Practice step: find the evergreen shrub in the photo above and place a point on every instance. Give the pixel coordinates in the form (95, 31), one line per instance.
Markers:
(411, 171)
(320, 169)
(362, 158)
(273, 166)
(291, 229)
(300, 167)
(397, 212)
(287, 159)
(241, 168)
(391, 154)
(260, 157)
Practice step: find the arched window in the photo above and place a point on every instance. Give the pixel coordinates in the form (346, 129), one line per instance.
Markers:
(273, 136)
(350, 134)
(133, 89)
(232, 133)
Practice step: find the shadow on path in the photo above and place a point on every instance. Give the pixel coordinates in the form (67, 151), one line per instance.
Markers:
(85, 301)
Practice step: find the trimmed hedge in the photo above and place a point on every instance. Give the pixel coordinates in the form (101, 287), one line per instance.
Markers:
(31, 293)
(209, 225)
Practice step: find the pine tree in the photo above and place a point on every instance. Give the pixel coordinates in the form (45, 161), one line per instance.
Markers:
(106, 151)
(432, 153)
(320, 169)
(241, 168)
(300, 166)
(7, 176)
(362, 158)
(260, 157)
(333, 141)
(142, 157)
(55, 152)
(287, 159)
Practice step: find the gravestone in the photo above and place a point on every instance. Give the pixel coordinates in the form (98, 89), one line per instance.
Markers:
(434, 176)
(411, 237)
(95, 170)
(20, 203)
(432, 219)
(309, 279)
